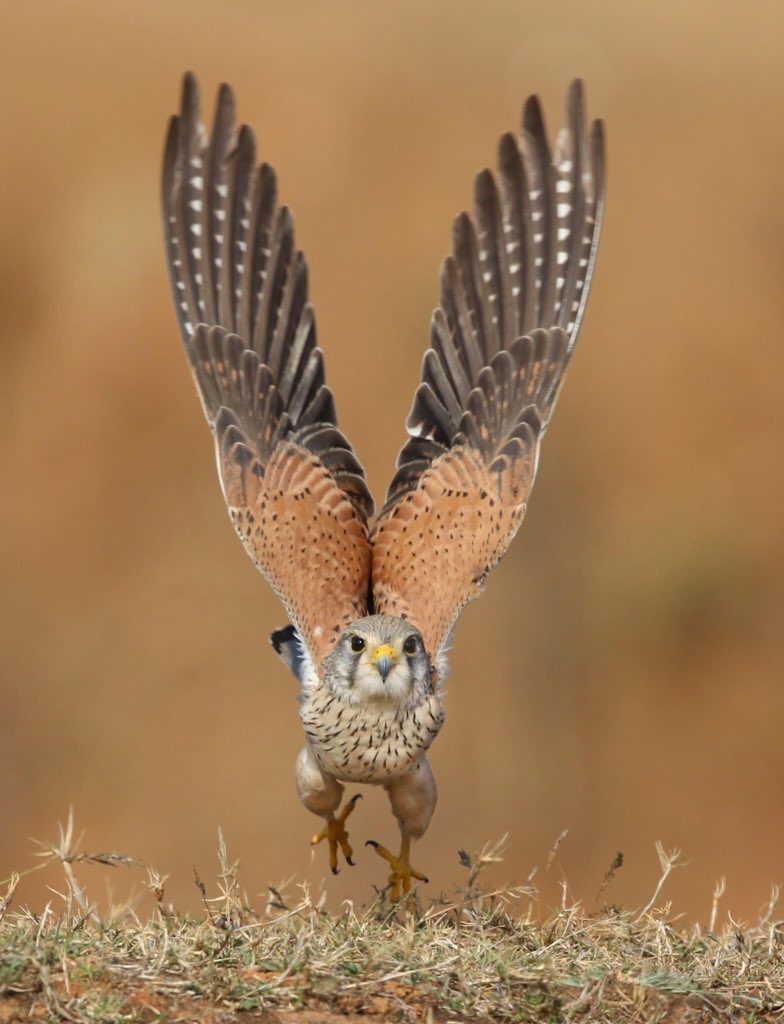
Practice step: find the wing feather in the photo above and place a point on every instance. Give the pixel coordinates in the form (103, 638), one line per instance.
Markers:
(295, 490)
(513, 295)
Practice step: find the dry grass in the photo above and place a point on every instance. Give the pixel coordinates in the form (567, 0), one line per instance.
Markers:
(480, 955)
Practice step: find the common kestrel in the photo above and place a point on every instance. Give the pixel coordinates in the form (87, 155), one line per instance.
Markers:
(372, 609)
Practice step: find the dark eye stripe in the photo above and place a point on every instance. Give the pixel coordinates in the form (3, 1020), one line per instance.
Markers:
(353, 665)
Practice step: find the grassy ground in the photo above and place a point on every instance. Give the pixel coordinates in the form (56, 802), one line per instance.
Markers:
(481, 956)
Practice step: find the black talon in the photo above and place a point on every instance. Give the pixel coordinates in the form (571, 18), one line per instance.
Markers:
(373, 843)
(335, 871)
(350, 862)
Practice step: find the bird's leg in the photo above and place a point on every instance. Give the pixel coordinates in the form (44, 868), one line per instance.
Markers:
(413, 798)
(321, 794)
(336, 835)
(402, 872)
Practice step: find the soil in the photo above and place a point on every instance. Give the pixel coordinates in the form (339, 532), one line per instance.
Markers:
(392, 1002)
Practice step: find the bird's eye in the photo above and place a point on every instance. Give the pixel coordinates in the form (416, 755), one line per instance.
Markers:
(357, 644)
(410, 645)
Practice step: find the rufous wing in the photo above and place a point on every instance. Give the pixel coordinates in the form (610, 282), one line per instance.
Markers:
(513, 294)
(296, 492)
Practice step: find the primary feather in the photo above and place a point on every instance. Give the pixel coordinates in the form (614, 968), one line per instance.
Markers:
(294, 488)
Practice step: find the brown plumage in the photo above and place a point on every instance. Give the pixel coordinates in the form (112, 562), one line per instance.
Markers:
(512, 300)
(296, 492)
(372, 613)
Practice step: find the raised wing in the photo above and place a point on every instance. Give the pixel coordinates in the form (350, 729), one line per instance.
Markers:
(295, 490)
(513, 295)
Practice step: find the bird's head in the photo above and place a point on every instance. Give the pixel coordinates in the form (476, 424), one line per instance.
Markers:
(379, 659)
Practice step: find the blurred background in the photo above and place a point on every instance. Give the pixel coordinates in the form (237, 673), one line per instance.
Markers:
(622, 676)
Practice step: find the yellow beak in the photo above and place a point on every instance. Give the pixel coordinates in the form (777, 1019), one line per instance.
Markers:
(385, 659)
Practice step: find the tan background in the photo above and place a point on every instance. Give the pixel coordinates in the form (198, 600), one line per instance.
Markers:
(622, 677)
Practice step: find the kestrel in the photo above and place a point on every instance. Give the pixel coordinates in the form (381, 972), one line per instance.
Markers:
(373, 608)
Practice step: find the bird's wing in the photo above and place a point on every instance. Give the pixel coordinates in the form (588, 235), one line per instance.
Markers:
(513, 294)
(294, 488)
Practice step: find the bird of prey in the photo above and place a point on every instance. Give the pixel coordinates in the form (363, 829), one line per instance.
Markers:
(373, 604)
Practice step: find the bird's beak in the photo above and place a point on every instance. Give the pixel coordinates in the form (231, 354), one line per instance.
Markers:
(385, 659)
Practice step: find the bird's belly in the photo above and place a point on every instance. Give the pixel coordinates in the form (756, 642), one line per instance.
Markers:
(373, 765)
(356, 745)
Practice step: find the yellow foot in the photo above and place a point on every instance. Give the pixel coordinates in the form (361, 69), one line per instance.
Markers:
(336, 835)
(402, 872)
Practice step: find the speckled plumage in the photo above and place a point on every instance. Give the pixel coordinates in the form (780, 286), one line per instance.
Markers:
(362, 732)
(360, 744)
(373, 610)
